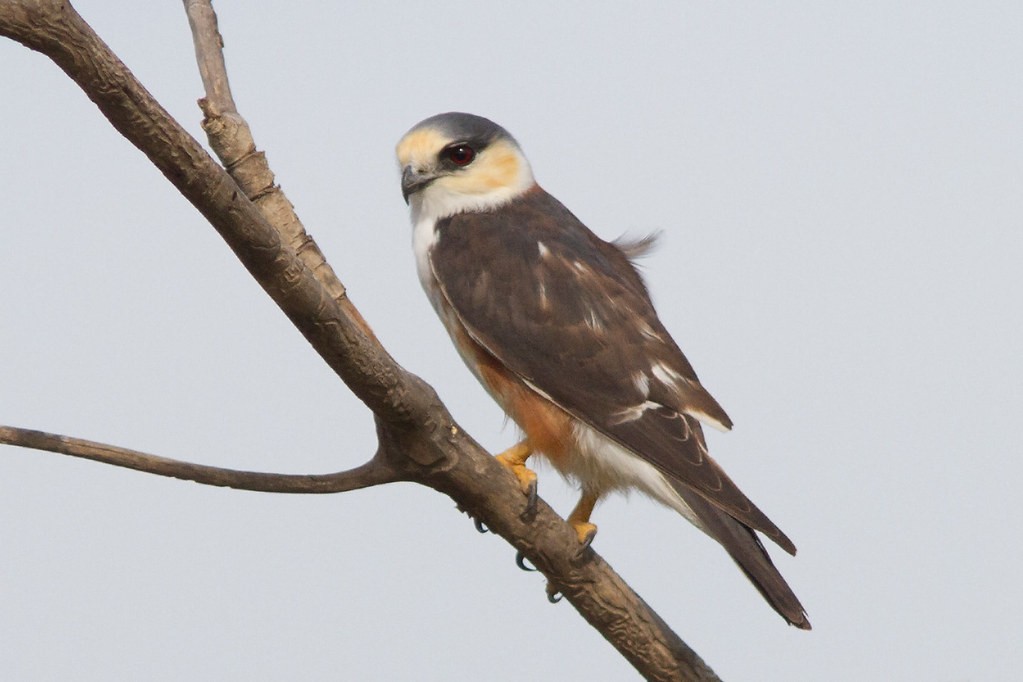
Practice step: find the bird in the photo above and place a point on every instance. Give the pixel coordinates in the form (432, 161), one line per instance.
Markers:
(559, 328)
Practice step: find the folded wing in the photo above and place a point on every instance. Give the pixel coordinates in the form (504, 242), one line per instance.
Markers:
(569, 314)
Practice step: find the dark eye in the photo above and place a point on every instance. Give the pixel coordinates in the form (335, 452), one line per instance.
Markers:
(459, 154)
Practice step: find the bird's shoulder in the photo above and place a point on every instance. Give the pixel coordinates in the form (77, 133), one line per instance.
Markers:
(533, 237)
(540, 290)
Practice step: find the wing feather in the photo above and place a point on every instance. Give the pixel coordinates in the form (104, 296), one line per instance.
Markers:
(569, 314)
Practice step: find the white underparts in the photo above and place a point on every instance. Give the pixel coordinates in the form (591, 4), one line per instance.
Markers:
(603, 465)
(424, 236)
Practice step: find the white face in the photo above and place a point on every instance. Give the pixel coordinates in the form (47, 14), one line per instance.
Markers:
(454, 178)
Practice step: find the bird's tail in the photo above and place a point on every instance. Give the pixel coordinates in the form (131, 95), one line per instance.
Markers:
(742, 543)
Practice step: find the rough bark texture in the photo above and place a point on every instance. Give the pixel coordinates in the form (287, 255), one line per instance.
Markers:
(418, 439)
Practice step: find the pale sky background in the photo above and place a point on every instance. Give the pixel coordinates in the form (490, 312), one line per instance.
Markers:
(840, 188)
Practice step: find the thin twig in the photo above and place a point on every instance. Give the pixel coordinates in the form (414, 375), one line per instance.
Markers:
(374, 472)
(209, 54)
(231, 139)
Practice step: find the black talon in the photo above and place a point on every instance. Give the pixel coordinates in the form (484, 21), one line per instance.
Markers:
(480, 526)
(520, 561)
(531, 498)
(583, 554)
(553, 595)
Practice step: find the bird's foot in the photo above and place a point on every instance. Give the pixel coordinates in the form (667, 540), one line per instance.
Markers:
(514, 459)
(579, 519)
(585, 531)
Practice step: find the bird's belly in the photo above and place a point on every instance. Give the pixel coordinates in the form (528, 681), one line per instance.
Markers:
(602, 465)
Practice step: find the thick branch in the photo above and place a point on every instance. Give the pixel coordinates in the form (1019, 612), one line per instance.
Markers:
(374, 472)
(55, 29)
(418, 439)
(480, 487)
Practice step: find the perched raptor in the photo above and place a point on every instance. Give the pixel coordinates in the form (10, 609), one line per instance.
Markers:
(557, 325)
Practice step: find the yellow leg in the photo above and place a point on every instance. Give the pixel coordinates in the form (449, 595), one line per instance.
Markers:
(515, 459)
(580, 518)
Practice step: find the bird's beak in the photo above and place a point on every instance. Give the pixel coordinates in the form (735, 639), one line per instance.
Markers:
(413, 180)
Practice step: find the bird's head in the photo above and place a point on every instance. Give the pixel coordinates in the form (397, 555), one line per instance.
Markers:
(453, 163)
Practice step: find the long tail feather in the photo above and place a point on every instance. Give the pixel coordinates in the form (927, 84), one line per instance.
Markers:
(743, 545)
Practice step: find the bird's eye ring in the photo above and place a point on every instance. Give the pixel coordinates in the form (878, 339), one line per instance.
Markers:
(459, 154)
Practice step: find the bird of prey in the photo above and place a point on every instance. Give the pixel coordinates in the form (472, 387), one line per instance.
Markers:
(558, 326)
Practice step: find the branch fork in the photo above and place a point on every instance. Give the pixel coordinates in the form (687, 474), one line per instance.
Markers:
(418, 439)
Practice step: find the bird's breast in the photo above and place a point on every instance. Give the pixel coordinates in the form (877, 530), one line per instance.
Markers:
(547, 426)
(424, 237)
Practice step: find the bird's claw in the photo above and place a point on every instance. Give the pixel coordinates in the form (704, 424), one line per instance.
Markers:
(480, 526)
(520, 561)
(554, 595)
(585, 532)
(531, 498)
(587, 540)
(514, 459)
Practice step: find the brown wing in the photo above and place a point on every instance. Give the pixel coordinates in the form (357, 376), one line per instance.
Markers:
(567, 312)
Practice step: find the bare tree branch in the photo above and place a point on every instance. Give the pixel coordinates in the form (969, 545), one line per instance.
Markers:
(418, 439)
(231, 139)
(209, 54)
(372, 473)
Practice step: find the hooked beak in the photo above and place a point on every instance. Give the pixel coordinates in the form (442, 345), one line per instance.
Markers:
(413, 180)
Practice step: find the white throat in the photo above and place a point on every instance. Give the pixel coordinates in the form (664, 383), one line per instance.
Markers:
(438, 201)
